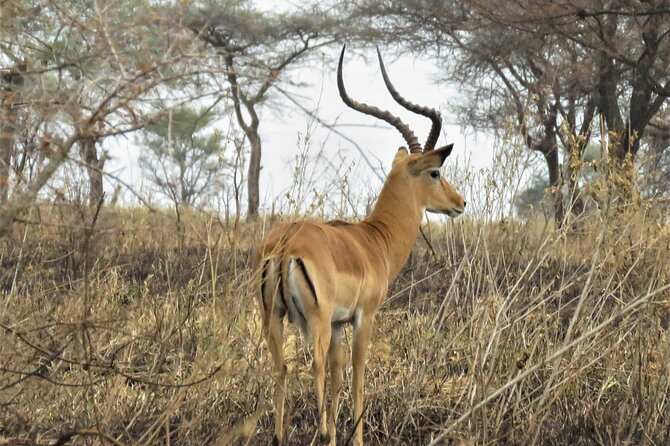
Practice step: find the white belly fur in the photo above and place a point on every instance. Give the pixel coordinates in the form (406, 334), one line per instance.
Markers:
(341, 314)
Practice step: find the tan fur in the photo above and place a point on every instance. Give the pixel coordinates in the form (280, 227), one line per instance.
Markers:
(350, 267)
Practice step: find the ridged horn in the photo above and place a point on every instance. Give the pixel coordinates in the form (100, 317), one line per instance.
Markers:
(430, 113)
(410, 138)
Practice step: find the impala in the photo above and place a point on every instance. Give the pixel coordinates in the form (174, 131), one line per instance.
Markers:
(327, 275)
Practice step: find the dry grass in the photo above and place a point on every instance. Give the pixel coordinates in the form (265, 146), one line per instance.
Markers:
(123, 327)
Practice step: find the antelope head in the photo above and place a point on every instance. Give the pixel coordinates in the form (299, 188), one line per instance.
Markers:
(417, 170)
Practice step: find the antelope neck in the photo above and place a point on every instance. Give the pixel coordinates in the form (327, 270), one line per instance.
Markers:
(397, 217)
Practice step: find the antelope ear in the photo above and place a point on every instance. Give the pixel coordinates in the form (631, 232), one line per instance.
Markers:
(430, 160)
(400, 155)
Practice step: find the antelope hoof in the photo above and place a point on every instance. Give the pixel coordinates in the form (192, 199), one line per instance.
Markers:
(276, 441)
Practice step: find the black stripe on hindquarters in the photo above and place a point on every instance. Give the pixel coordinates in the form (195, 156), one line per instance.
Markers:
(310, 284)
(264, 278)
(280, 284)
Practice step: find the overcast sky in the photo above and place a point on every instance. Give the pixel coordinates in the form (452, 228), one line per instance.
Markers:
(413, 78)
(283, 132)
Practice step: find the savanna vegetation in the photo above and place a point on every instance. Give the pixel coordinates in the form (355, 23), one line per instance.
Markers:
(127, 311)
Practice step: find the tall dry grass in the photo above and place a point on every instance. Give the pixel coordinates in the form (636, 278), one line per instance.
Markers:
(120, 326)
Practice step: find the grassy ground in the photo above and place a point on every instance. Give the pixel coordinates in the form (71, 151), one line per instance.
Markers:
(128, 327)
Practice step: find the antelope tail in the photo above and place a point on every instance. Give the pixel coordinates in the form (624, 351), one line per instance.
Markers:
(287, 287)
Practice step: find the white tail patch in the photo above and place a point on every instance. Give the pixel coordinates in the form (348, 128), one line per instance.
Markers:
(295, 298)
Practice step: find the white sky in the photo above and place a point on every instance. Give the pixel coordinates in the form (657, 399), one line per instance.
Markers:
(412, 78)
(281, 132)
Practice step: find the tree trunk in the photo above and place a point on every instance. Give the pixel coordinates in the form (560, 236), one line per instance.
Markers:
(184, 190)
(11, 81)
(555, 181)
(94, 168)
(572, 170)
(576, 203)
(253, 177)
(6, 149)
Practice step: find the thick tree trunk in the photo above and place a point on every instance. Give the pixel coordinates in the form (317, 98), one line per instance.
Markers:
(94, 168)
(576, 203)
(607, 98)
(556, 183)
(6, 149)
(11, 81)
(254, 174)
(642, 104)
(549, 148)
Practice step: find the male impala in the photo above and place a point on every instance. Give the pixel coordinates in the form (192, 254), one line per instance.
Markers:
(326, 275)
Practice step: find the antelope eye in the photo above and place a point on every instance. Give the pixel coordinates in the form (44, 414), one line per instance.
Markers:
(435, 174)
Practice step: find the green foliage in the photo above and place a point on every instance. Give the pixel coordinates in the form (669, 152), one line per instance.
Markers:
(183, 159)
(533, 199)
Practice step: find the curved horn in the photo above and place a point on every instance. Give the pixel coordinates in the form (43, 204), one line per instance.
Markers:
(410, 138)
(430, 113)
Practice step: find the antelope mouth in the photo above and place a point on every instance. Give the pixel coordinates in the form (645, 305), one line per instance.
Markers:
(453, 213)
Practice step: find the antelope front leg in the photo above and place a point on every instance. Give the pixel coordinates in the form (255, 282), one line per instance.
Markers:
(361, 340)
(321, 335)
(336, 362)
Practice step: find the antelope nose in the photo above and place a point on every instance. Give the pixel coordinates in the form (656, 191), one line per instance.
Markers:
(464, 203)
